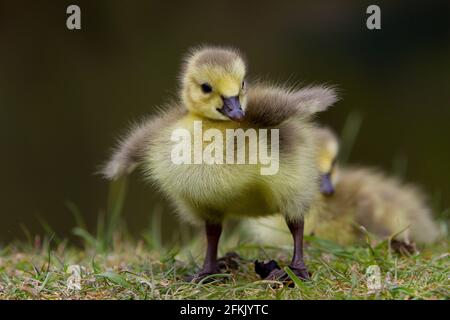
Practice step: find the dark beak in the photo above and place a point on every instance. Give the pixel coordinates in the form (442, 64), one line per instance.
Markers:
(232, 108)
(326, 186)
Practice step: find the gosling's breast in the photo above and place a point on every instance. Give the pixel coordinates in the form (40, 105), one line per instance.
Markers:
(200, 183)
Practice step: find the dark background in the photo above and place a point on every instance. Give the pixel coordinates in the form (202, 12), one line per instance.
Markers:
(66, 95)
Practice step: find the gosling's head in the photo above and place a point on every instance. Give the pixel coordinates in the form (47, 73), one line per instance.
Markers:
(213, 84)
(327, 155)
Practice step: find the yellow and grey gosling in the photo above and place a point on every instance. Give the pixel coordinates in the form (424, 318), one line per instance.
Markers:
(352, 197)
(214, 91)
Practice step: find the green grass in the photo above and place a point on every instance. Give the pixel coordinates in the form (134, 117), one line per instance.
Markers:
(133, 271)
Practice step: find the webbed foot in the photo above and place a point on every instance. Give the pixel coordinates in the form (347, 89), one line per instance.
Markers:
(281, 275)
(403, 247)
(272, 271)
(230, 261)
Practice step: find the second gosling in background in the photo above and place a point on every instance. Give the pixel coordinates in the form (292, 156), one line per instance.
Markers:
(355, 196)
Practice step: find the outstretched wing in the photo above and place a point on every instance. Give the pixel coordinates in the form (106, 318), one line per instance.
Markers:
(270, 105)
(131, 149)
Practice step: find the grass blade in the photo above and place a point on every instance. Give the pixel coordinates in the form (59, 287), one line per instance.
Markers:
(115, 278)
(298, 282)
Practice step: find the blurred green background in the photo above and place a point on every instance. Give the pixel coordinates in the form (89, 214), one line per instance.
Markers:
(66, 95)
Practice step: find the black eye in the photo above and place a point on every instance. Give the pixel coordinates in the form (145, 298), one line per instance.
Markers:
(206, 88)
(243, 85)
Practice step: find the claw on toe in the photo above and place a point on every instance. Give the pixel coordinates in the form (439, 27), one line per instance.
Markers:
(282, 276)
(230, 262)
(278, 275)
(272, 271)
(403, 247)
(301, 272)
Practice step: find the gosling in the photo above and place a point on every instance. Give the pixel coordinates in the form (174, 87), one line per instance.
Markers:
(352, 197)
(215, 92)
